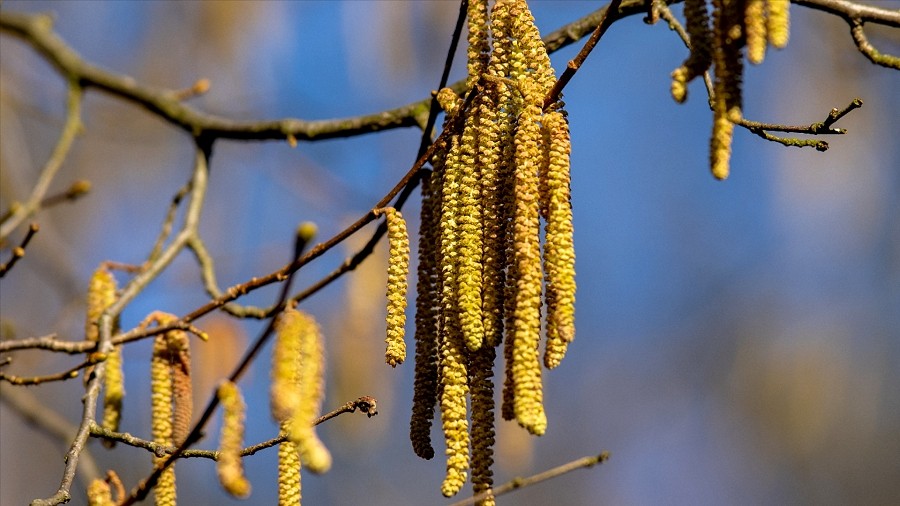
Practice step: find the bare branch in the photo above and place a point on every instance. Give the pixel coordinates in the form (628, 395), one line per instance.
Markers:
(19, 251)
(66, 138)
(518, 483)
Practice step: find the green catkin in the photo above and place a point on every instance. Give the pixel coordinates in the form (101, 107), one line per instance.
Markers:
(427, 314)
(398, 271)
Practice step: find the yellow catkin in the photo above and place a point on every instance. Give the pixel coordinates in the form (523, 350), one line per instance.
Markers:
(482, 386)
(535, 57)
(528, 390)
(454, 389)
(469, 238)
(101, 295)
(700, 57)
(183, 392)
(289, 481)
(755, 28)
(99, 493)
(427, 314)
(478, 39)
(779, 22)
(283, 396)
(161, 415)
(497, 107)
(559, 249)
(448, 100)
(310, 385)
(398, 271)
(114, 383)
(231, 441)
(727, 21)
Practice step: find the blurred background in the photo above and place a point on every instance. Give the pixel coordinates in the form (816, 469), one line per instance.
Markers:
(738, 342)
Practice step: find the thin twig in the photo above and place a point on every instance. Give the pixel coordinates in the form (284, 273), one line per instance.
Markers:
(143, 488)
(37, 380)
(518, 483)
(606, 19)
(60, 151)
(763, 129)
(77, 190)
(105, 344)
(19, 251)
(37, 31)
(43, 418)
(365, 404)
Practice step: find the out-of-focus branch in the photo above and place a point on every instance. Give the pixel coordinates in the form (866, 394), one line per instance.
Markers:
(365, 404)
(19, 251)
(37, 380)
(763, 129)
(37, 31)
(518, 483)
(856, 15)
(66, 138)
(45, 419)
(105, 344)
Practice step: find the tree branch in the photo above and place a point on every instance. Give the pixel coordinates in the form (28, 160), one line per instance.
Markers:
(66, 138)
(518, 483)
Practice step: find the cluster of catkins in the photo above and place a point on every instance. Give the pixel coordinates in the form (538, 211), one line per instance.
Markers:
(481, 270)
(736, 24)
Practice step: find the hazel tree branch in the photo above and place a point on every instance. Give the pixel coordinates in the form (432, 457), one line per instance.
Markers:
(45, 419)
(66, 139)
(763, 129)
(364, 404)
(519, 483)
(19, 251)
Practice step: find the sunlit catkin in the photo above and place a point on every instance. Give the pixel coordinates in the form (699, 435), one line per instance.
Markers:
(455, 388)
(101, 295)
(283, 396)
(398, 271)
(727, 21)
(700, 58)
(755, 28)
(231, 441)
(778, 22)
(99, 493)
(289, 481)
(528, 389)
(427, 315)
(470, 240)
(478, 49)
(559, 249)
(161, 412)
(310, 386)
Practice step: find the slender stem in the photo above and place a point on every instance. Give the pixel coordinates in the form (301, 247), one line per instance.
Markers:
(518, 483)
(60, 151)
